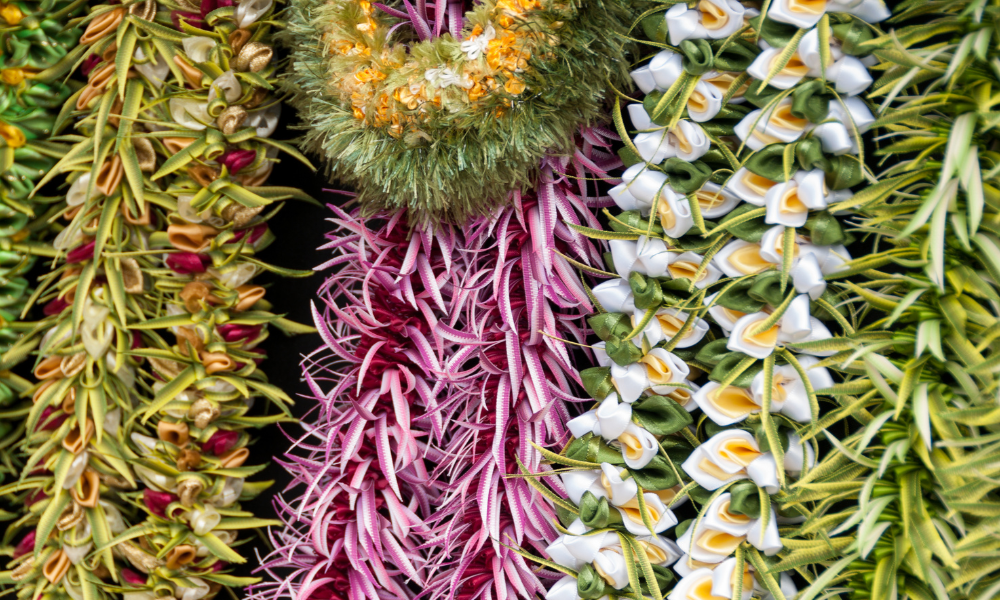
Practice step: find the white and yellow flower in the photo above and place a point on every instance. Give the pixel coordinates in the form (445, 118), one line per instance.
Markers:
(686, 141)
(648, 256)
(615, 295)
(719, 530)
(848, 74)
(658, 371)
(789, 203)
(615, 484)
(715, 201)
(667, 323)
(612, 420)
(732, 404)
(663, 71)
(734, 454)
(795, 325)
(712, 19)
(641, 187)
(806, 13)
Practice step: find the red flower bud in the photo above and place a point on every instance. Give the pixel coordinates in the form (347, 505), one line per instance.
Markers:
(222, 441)
(157, 502)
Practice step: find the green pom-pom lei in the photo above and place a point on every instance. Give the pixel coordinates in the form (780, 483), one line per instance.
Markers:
(448, 127)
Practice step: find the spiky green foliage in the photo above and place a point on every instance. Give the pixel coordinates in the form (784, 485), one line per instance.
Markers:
(910, 490)
(459, 158)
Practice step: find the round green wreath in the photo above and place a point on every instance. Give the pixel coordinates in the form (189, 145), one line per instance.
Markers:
(448, 127)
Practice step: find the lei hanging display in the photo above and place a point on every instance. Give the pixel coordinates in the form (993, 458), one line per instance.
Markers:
(136, 439)
(776, 287)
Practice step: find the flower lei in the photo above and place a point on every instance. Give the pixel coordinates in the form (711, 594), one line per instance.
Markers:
(32, 41)
(445, 123)
(138, 430)
(456, 371)
(729, 218)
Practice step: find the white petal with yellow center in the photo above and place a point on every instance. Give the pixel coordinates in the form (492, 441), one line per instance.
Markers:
(744, 337)
(817, 332)
(749, 186)
(785, 205)
(696, 585)
(739, 258)
(870, 11)
(638, 446)
(711, 19)
(610, 564)
(648, 256)
(688, 265)
(794, 71)
(577, 483)
(796, 323)
(801, 13)
(724, 579)
(725, 406)
(662, 517)
(715, 201)
(659, 550)
(774, 125)
(564, 589)
(619, 485)
(686, 141)
(666, 324)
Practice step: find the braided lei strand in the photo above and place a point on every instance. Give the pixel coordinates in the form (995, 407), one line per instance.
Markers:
(744, 237)
(139, 426)
(443, 365)
(33, 40)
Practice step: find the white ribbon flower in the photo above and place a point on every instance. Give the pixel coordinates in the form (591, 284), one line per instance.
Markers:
(795, 325)
(774, 125)
(749, 186)
(615, 296)
(189, 113)
(713, 19)
(686, 141)
(848, 119)
(155, 71)
(615, 484)
(658, 371)
(725, 317)
(789, 392)
(667, 323)
(734, 454)
(715, 201)
(609, 420)
(641, 187)
(686, 266)
(724, 581)
(789, 203)
(476, 46)
(806, 13)
(198, 47)
(247, 13)
(648, 256)
(442, 77)
(847, 73)
(719, 531)
(661, 73)
(740, 257)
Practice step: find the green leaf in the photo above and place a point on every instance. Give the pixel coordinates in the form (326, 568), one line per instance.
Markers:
(168, 392)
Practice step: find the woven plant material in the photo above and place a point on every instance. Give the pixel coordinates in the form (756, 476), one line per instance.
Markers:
(724, 318)
(446, 115)
(33, 41)
(148, 355)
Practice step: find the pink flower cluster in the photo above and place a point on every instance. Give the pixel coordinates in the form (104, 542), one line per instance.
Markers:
(443, 362)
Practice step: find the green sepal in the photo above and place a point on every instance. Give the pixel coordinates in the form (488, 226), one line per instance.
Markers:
(646, 290)
(664, 579)
(769, 163)
(777, 35)
(810, 101)
(760, 95)
(597, 513)
(738, 298)
(623, 352)
(590, 585)
(655, 27)
(628, 156)
(686, 177)
(767, 288)
(751, 230)
(713, 352)
(825, 229)
(565, 517)
(852, 35)
(734, 54)
(745, 499)
(657, 475)
(660, 415)
(633, 223)
(597, 381)
(729, 362)
(698, 57)
(609, 325)
(682, 528)
(845, 171)
(592, 448)
(650, 102)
